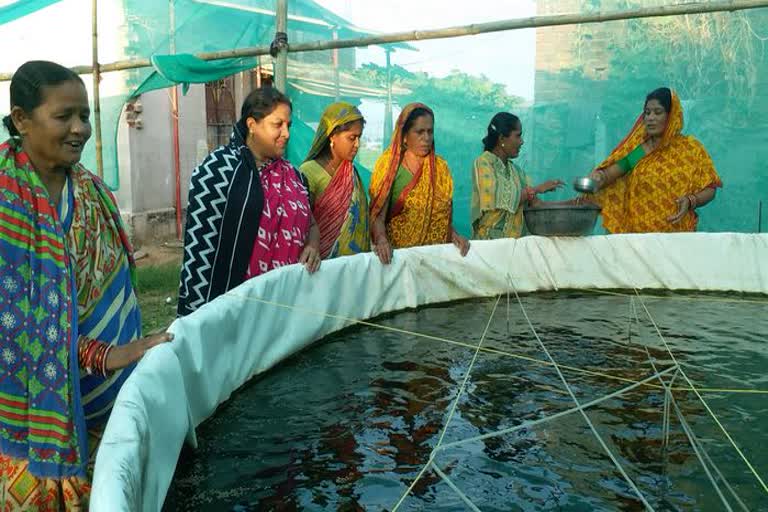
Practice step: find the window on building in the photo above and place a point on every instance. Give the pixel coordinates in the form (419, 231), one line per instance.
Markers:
(220, 111)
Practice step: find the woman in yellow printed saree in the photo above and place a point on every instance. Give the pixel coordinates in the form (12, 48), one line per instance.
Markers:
(656, 177)
(500, 189)
(336, 192)
(412, 189)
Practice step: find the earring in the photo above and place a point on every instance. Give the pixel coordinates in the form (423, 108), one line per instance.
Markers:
(331, 144)
(502, 144)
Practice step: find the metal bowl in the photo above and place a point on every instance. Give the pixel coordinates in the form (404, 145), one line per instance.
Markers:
(585, 185)
(561, 219)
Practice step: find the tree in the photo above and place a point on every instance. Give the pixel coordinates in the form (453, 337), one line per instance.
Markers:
(717, 55)
(451, 90)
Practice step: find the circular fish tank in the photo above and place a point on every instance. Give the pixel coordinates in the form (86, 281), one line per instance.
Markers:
(532, 374)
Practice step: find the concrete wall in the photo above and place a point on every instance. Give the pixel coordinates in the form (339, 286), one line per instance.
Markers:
(147, 191)
(124, 194)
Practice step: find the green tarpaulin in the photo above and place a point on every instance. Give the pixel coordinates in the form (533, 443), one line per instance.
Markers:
(187, 69)
(21, 8)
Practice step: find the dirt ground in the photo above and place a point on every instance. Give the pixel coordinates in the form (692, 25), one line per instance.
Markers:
(158, 252)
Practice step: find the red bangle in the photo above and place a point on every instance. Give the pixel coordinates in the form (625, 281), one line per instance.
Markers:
(90, 352)
(92, 356)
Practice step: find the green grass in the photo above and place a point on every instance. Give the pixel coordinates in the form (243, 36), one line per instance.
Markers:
(154, 285)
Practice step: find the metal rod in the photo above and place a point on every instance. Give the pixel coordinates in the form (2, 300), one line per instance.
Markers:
(281, 66)
(466, 30)
(388, 122)
(667, 419)
(96, 90)
(335, 58)
(175, 124)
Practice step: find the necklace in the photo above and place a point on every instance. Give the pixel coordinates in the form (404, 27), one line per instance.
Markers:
(413, 167)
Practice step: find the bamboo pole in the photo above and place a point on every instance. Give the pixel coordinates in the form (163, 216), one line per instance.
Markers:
(281, 66)
(96, 89)
(466, 30)
(388, 104)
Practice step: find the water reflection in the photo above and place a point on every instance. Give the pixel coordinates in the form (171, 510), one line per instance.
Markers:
(348, 424)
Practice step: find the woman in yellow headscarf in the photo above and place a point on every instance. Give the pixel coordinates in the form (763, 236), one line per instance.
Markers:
(336, 193)
(656, 177)
(412, 189)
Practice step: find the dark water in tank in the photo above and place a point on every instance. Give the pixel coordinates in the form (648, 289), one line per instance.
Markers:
(351, 422)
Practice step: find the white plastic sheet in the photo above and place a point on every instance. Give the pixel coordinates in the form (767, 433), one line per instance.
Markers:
(255, 326)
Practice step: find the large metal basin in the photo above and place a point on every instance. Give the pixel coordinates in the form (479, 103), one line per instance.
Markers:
(561, 219)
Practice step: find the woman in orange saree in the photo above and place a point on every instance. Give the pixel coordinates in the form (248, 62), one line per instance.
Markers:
(412, 189)
(656, 178)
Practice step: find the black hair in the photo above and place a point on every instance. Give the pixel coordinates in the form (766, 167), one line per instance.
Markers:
(28, 86)
(262, 102)
(501, 125)
(414, 115)
(663, 95)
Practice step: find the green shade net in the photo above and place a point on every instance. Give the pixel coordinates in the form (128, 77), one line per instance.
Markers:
(590, 83)
(199, 27)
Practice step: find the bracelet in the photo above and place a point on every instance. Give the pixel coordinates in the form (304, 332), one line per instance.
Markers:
(92, 356)
(530, 194)
(104, 370)
(603, 175)
(693, 201)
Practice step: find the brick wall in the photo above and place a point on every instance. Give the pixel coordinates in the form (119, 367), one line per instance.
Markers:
(585, 48)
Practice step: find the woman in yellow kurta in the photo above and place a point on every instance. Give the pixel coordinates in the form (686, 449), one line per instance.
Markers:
(500, 189)
(412, 189)
(656, 177)
(336, 193)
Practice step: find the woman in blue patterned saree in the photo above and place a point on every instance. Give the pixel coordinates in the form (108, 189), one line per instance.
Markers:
(68, 311)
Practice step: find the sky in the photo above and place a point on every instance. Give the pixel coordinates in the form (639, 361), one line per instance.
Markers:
(504, 57)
